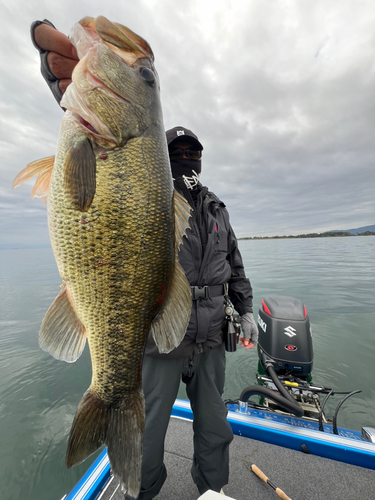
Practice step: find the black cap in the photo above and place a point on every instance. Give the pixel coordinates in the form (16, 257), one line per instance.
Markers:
(179, 132)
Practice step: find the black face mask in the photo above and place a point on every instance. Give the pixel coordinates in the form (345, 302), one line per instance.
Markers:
(189, 170)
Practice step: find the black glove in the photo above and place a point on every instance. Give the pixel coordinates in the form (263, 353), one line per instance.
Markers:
(51, 80)
(249, 328)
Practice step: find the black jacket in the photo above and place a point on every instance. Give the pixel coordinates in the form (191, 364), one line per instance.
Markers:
(220, 262)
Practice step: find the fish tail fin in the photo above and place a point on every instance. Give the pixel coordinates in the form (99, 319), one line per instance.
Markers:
(124, 441)
(120, 427)
(89, 428)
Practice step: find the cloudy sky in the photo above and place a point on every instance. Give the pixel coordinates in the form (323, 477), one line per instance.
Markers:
(281, 93)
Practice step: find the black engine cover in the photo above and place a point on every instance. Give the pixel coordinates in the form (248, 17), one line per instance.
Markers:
(285, 335)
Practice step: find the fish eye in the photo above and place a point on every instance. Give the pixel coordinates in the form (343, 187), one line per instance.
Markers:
(147, 75)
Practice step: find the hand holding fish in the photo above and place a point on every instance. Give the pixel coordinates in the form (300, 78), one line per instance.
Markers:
(58, 56)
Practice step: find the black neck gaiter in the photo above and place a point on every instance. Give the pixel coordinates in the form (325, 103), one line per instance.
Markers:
(188, 169)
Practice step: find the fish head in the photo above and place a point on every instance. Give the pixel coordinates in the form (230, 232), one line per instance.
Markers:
(115, 91)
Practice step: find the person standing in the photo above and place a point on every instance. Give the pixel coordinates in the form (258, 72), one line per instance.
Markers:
(213, 266)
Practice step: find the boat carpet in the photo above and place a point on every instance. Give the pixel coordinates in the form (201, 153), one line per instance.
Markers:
(300, 476)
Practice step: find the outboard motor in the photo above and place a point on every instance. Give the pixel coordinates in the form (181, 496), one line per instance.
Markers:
(285, 341)
(286, 355)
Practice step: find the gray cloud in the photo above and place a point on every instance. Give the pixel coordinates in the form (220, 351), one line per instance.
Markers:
(282, 99)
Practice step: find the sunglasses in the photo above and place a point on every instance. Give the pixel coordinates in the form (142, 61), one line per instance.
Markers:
(178, 153)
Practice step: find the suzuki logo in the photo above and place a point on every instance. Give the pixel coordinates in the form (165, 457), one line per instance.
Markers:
(262, 324)
(290, 347)
(290, 331)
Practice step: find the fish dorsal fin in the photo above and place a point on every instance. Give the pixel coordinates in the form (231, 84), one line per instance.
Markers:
(62, 334)
(43, 168)
(182, 211)
(169, 327)
(80, 174)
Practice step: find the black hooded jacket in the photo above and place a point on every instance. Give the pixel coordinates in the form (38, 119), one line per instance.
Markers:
(210, 256)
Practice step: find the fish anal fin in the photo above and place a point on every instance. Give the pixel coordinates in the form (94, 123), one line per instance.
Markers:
(169, 326)
(80, 174)
(118, 426)
(62, 334)
(43, 168)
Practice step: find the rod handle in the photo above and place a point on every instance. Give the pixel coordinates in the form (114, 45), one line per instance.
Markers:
(282, 494)
(259, 473)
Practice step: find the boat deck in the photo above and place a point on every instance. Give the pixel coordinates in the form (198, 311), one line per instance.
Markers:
(300, 476)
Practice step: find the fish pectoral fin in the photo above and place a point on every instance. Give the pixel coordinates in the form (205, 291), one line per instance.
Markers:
(62, 334)
(182, 212)
(118, 426)
(80, 174)
(44, 169)
(169, 326)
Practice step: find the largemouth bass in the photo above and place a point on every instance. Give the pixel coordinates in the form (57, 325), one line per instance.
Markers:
(115, 224)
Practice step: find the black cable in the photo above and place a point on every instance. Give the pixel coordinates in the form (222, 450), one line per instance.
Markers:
(283, 391)
(290, 406)
(334, 421)
(321, 428)
(230, 402)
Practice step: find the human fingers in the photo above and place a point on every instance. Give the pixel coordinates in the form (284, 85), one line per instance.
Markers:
(63, 84)
(246, 343)
(52, 40)
(61, 67)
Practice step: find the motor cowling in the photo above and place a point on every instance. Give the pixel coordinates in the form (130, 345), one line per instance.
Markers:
(285, 335)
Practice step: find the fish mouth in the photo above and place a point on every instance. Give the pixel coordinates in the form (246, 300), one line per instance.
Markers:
(120, 39)
(87, 125)
(86, 36)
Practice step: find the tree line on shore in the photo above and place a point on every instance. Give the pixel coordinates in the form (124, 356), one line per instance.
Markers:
(329, 234)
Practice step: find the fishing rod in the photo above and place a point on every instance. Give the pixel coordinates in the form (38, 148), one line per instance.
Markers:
(264, 478)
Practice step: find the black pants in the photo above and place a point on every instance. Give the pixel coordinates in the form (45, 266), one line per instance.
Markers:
(204, 376)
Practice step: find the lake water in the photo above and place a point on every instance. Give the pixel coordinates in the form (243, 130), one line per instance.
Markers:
(334, 277)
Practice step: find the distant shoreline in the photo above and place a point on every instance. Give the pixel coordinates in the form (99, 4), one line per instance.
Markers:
(334, 234)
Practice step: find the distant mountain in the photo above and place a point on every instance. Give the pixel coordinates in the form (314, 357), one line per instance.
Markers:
(365, 231)
(359, 230)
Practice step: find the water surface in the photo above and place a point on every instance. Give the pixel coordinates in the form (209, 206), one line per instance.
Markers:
(334, 277)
